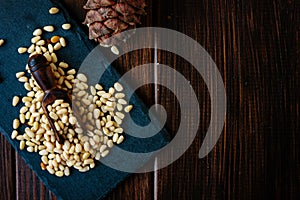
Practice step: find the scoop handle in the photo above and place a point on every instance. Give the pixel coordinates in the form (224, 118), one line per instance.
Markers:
(42, 72)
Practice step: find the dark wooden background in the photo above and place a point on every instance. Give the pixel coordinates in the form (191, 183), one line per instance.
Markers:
(255, 44)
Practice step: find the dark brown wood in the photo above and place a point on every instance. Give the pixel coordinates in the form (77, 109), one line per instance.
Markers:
(255, 45)
(42, 73)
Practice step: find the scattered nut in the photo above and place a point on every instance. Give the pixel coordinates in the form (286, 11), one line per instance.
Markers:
(66, 26)
(53, 10)
(1, 42)
(49, 28)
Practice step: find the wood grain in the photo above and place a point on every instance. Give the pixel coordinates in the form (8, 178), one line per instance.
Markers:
(255, 45)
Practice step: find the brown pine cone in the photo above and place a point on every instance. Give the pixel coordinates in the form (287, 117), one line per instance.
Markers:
(107, 18)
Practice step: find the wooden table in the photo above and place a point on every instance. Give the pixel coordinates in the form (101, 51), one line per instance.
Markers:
(255, 44)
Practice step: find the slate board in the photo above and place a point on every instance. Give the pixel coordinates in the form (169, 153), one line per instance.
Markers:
(18, 20)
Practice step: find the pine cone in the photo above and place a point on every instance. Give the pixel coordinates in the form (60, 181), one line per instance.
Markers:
(107, 18)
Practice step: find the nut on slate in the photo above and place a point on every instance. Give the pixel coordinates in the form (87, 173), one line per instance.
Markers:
(1, 42)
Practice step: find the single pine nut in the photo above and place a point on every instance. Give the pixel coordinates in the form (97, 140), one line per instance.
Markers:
(120, 115)
(15, 100)
(128, 108)
(16, 123)
(122, 101)
(54, 39)
(118, 130)
(35, 39)
(59, 173)
(22, 50)
(48, 56)
(81, 77)
(22, 145)
(118, 120)
(67, 171)
(54, 58)
(118, 87)
(20, 74)
(66, 26)
(57, 46)
(119, 95)
(53, 10)
(1, 42)
(37, 32)
(71, 72)
(40, 42)
(49, 28)
(50, 48)
(14, 134)
(115, 50)
(115, 137)
(105, 153)
(63, 64)
(62, 42)
(110, 143)
(23, 79)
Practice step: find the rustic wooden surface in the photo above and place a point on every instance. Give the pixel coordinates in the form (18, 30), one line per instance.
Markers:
(255, 45)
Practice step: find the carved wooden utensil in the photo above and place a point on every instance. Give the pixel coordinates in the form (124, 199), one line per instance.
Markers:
(42, 73)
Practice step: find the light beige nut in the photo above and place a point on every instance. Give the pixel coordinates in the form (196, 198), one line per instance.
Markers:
(1, 42)
(66, 26)
(35, 39)
(37, 32)
(81, 77)
(53, 10)
(22, 50)
(49, 28)
(16, 123)
(15, 101)
(128, 108)
(115, 50)
(62, 42)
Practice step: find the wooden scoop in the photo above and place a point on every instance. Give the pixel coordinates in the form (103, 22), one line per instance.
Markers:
(42, 73)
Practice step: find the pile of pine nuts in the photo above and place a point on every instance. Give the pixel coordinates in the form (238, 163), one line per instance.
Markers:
(101, 113)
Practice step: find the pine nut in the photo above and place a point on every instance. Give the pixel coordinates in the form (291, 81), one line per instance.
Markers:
(49, 28)
(22, 145)
(57, 46)
(1, 42)
(67, 171)
(105, 153)
(128, 108)
(35, 39)
(20, 74)
(22, 50)
(37, 32)
(110, 143)
(50, 48)
(62, 42)
(15, 101)
(118, 120)
(66, 26)
(119, 95)
(54, 58)
(115, 50)
(23, 79)
(59, 173)
(16, 123)
(14, 134)
(122, 101)
(40, 42)
(120, 115)
(63, 65)
(53, 10)
(118, 87)
(81, 77)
